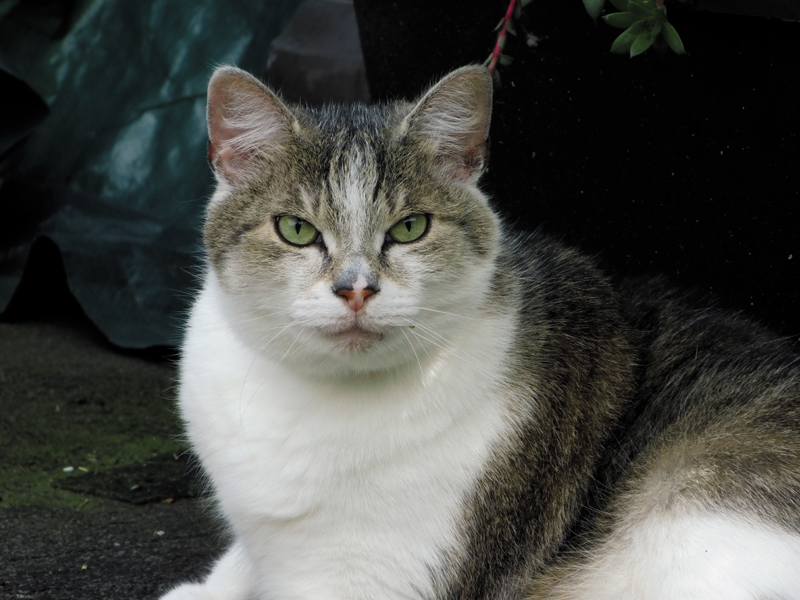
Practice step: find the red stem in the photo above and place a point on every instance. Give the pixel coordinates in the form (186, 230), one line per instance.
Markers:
(502, 35)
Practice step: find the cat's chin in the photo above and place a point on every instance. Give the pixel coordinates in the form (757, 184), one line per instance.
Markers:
(353, 339)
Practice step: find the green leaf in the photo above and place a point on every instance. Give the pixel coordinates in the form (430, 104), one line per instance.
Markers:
(622, 20)
(656, 29)
(496, 79)
(660, 46)
(525, 3)
(506, 60)
(673, 39)
(641, 9)
(625, 40)
(594, 7)
(510, 28)
(623, 43)
(620, 5)
(641, 43)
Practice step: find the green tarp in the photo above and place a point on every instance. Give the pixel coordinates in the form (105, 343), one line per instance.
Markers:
(116, 175)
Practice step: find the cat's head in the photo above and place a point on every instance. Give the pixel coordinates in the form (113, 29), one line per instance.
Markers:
(350, 238)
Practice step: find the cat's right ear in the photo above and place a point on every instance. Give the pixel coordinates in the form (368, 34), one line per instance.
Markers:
(453, 118)
(247, 125)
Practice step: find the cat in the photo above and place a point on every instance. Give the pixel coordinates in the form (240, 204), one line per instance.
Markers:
(393, 395)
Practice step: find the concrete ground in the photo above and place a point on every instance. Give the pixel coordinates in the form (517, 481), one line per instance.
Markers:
(98, 498)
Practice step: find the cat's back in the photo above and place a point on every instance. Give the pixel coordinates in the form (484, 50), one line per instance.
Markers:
(703, 366)
(672, 356)
(691, 463)
(696, 492)
(723, 391)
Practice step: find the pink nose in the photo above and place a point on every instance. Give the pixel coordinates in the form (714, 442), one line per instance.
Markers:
(355, 298)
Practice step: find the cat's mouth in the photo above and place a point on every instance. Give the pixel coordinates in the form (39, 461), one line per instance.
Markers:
(353, 337)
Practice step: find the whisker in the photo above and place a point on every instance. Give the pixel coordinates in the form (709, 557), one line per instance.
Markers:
(289, 349)
(419, 363)
(261, 316)
(259, 350)
(444, 312)
(445, 345)
(429, 330)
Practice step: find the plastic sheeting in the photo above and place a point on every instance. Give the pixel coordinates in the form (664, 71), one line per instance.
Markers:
(116, 175)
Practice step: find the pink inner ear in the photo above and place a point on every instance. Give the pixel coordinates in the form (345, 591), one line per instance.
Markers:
(222, 154)
(473, 159)
(455, 115)
(229, 162)
(247, 124)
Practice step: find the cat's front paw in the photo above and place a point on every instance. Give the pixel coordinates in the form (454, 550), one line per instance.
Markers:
(230, 579)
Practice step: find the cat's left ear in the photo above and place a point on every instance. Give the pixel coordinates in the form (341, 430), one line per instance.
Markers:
(454, 117)
(248, 125)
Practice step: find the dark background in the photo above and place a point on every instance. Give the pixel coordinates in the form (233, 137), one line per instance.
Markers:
(679, 165)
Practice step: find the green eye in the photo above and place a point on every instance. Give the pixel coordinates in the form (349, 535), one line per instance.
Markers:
(297, 231)
(409, 229)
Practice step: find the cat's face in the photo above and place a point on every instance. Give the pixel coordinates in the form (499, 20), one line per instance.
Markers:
(350, 239)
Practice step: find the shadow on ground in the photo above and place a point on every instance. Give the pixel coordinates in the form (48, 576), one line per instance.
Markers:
(99, 497)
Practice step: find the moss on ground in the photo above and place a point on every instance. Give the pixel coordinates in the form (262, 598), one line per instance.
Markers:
(68, 400)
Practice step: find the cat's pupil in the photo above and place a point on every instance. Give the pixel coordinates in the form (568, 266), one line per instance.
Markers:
(408, 223)
(298, 225)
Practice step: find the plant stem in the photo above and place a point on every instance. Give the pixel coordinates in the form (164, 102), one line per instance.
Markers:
(501, 37)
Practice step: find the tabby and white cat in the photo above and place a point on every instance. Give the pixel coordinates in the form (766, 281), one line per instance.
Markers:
(394, 397)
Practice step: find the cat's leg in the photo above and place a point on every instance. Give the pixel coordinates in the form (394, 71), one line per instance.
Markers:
(700, 555)
(230, 579)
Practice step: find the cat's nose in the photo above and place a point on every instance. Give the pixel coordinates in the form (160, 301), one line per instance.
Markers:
(356, 297)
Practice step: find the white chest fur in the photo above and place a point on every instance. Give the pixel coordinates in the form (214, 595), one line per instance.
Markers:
(346, 489)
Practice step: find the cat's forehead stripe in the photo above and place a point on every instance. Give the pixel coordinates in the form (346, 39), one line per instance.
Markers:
(380, 174)
(351, 190)
(356, 140)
